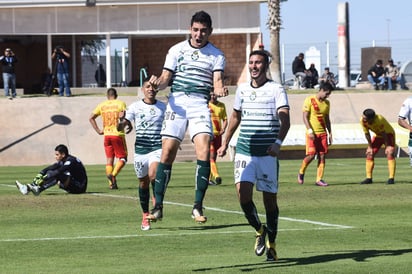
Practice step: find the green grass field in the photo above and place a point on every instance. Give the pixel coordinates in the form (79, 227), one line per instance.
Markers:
(343, 228)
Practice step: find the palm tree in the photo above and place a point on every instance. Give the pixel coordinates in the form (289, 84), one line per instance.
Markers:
(274, 24)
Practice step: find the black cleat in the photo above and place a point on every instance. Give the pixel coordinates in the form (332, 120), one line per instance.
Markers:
(367, 181)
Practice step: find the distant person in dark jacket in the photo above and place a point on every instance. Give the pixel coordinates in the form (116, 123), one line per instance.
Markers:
(376, 75)
(8, 60)
(312, 77)
(100, 76)
(299, 69)
(62, 57)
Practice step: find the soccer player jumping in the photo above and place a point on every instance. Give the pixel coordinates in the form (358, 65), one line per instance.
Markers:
(196, 66)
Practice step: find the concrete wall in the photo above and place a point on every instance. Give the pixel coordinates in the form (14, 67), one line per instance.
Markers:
(28, 134)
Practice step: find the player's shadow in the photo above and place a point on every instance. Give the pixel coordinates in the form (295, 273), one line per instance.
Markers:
(208, 227)
(56, 120)
(356, 255)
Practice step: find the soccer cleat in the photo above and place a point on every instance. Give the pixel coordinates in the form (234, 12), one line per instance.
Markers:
(218, 180)
(34, 188)
(271, 255)
(260, 241)
(155, 214)
(390, 181)
(321, 183)
(197, 215)
(112, 181)
(366, 181)
(301, 179)
(22, 188)
(145, 222)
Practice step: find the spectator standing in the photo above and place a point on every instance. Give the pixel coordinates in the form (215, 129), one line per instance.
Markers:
(405, 121)
(68, 173)
(394, 76)
(62, 70)
(299, 70)
(114, 136)
(316, 109)
(8, 61)
(187, 107)
(100, 76)
(376, 75)
(147, 115)
(384, 135)
(219, 122)
(261, 109)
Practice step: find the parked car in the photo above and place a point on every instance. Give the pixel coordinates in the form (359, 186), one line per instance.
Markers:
(355, 78)
(289, 83)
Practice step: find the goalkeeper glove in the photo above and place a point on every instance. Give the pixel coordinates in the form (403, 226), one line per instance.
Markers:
(38, 180)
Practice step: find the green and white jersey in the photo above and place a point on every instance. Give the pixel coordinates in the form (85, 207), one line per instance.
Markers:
(193, 67)
(148, 120)
(259, 126)
(406, 113)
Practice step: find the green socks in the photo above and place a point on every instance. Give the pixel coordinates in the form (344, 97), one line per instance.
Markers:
(202, 180)
(163, 174)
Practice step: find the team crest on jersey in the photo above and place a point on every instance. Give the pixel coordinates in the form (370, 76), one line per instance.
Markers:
(252, 96)
(152, 111)
(195, 55)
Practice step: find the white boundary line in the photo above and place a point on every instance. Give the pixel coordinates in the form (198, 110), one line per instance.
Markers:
(323, 226)
(147, 235)
(232, 211)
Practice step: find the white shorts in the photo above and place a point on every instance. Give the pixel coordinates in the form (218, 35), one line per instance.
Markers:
(262, 171)
(142, 162)
(186, 111)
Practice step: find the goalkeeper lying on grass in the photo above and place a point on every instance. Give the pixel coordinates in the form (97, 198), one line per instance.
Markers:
(68, 172)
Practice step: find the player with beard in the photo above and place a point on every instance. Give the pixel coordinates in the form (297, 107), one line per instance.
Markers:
(261, 109)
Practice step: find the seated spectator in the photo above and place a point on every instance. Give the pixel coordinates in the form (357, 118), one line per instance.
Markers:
(299, 69)
(328, 76)
(394, 76)
(376, 75)
(312, 76)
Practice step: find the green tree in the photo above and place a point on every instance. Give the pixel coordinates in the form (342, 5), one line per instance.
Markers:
(91, 48)
(274, 24)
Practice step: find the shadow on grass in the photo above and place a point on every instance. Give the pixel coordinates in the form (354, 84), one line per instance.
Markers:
(208, 227)
(356, 255)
